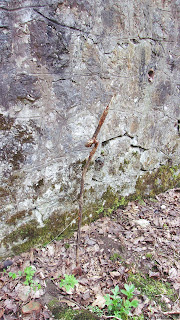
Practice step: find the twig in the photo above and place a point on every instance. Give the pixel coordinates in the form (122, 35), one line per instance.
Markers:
(112, 317)
(172, 312)
(88, 144)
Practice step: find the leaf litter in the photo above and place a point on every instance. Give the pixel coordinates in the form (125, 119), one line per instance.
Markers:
(142, 239)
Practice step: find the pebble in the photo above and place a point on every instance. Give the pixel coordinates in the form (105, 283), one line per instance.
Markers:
(143, 223)
(163, 207)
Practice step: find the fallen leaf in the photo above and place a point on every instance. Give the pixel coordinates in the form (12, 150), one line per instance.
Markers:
(173, 274)
(1, 312)
(86, 295)
(115, 274)
(77, 271)
(155, 275)
(10, 305)
(99, 302)
(23, 292)
(1, 283)
(31, 306)
(50, 250)
(69, 303)
(85, 228)
(37, 293)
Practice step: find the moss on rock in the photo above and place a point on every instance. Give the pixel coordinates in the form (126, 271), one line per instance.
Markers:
(31, 234)
(160, 180)
(60, 311)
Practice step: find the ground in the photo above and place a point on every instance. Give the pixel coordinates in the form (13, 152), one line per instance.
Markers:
(139, 244)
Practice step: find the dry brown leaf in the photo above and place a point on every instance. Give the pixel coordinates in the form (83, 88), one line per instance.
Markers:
(173, 273)
(85, 228)
(10, 305)
(115, 274)
(155, 275)
(99, 302)
(68, 302)
(23, 292)
(1, 283)
(1, 312)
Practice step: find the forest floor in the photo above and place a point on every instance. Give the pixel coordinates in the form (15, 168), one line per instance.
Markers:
(139, 244)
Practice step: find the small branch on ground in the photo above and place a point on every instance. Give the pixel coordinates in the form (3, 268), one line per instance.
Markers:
(172, 312)
(91, 142)
(110, 317)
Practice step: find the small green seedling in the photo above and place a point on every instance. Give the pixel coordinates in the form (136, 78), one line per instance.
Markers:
(12, 275)
(28, 273)
(121, 307)
(116, 256)
(96, 310)
(129, 290)
(69, 282)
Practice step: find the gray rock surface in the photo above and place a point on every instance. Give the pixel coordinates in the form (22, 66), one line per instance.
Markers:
(61, 63)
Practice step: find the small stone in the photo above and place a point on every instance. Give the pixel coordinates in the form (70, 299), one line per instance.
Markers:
(30, 307)
(163, 207)
(142, 223)
(7, 264)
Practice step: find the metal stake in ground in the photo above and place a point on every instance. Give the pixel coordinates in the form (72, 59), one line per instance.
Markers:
(91, 142)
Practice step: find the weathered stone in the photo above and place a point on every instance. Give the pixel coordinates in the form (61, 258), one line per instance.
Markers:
(61, 63)
(31, 307)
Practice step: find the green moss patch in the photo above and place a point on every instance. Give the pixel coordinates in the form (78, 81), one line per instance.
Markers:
(60, 311)
(153, 289)
(19, 215)
(30, 234)
(164, 178)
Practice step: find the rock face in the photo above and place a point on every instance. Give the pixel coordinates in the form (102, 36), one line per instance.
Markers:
(61, 63)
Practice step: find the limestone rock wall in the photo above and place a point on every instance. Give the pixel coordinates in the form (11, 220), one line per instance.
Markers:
(61, 63)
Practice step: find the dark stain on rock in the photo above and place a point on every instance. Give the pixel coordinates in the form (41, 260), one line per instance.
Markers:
(5, 122)
(5, 41)
(49, 45)
(13, 141)
(4, 192)
(111, 18)
(23, 87)
(38, 185)
(162, 92)
(142, 66)
(18, 216)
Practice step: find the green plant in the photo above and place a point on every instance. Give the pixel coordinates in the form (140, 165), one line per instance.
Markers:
(100, 210)
(121, 307)
(141, 317)
(115, 256)
(149, 255)
(129, 290)
(69, 282)
(96, 310)
(12, 275)
(122, 202)
(28, 273)
(66, 245)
